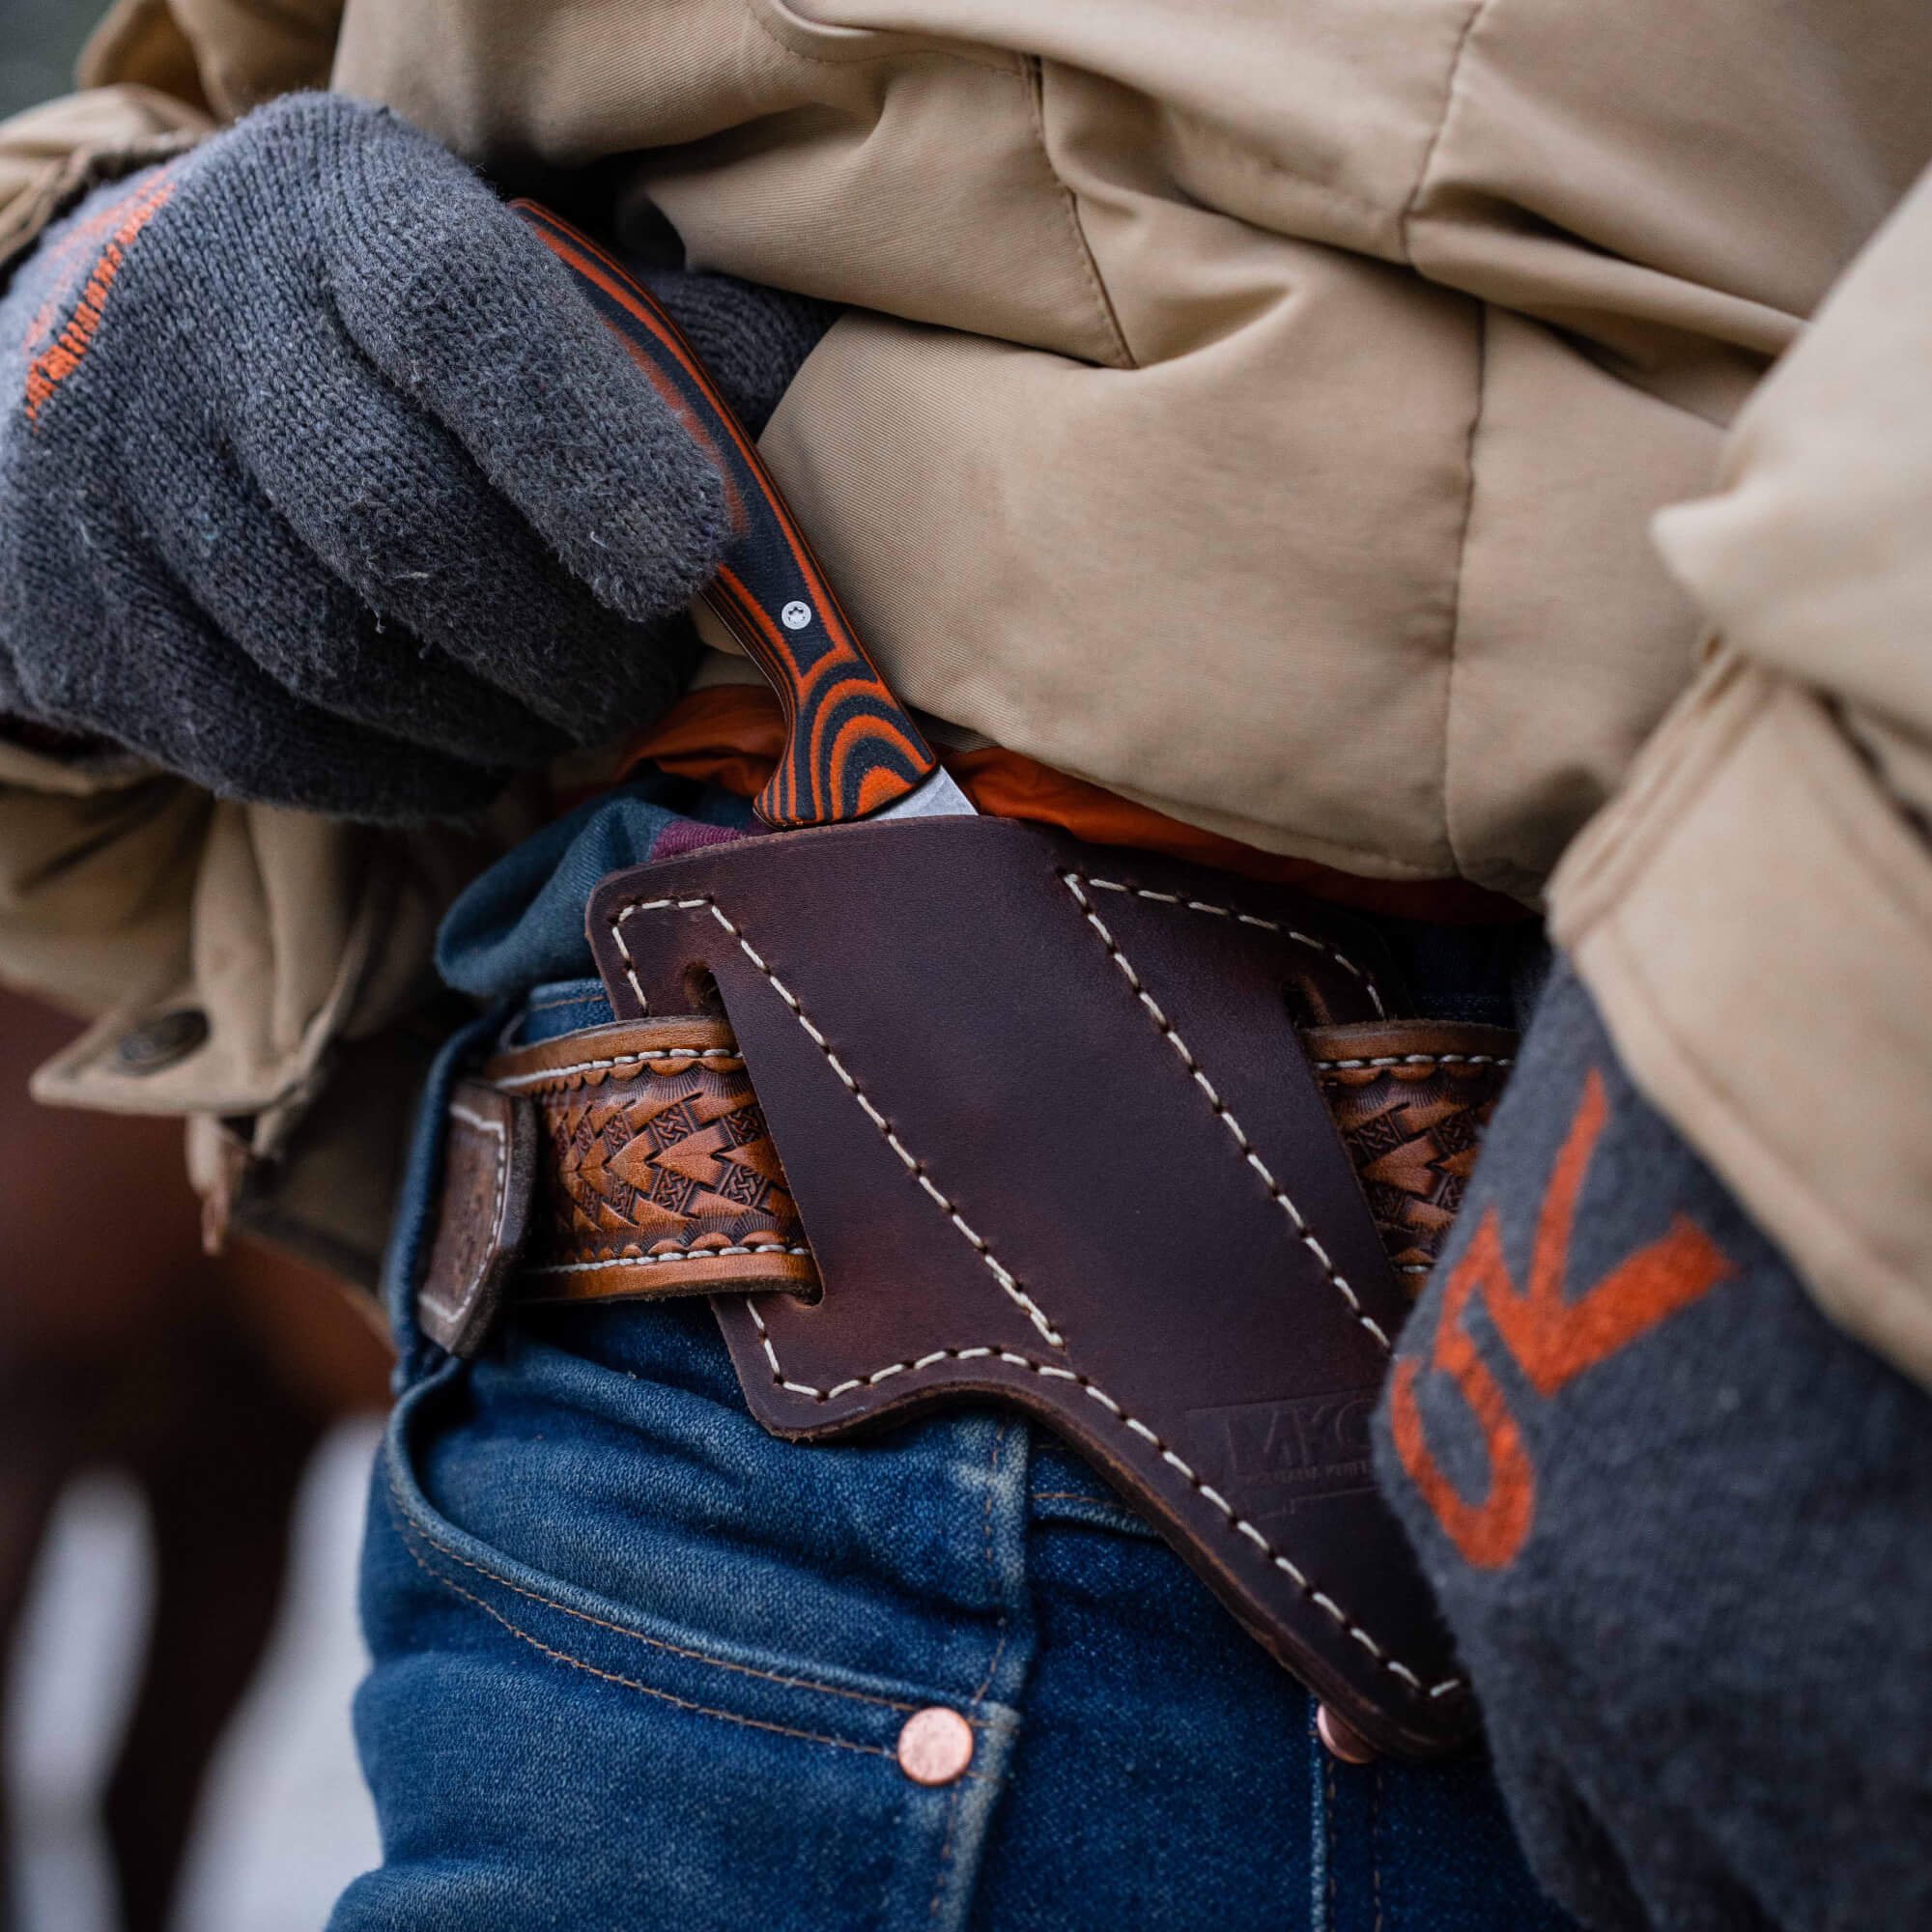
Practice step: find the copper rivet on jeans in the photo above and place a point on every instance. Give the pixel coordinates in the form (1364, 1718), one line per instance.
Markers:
(935, 1746)
(1343, 1739)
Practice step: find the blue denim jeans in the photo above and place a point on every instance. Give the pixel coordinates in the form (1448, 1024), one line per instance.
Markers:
(638, 1663)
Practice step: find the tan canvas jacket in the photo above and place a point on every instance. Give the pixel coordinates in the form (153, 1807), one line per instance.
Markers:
(1259, 411)
(1754, 913)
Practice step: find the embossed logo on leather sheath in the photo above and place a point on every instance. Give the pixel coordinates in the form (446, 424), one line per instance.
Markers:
(1270, 1458)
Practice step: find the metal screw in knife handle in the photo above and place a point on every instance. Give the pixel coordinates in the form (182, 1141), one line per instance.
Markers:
(850, 749)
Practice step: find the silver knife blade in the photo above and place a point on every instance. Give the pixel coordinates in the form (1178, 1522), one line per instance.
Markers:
(939, 796)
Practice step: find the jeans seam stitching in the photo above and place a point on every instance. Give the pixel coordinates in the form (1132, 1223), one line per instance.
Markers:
(986, 1683)
(1375, 1842)
(413, 1528)
(1329, 1829)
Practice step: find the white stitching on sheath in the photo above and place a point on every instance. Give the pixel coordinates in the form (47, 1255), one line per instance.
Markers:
(495, 1129)
(1314, 945)
(1033, 1310)
(1238, 1523)
(1276, 1192)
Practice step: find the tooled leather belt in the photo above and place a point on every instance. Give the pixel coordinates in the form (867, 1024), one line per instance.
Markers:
(956, 1109)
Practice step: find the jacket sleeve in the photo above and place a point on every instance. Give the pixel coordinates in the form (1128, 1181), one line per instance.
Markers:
(234, 959)
(157, 76)
(1753, 912)
(128, 896)
(261, 974)
(224, 55)
(51, 155)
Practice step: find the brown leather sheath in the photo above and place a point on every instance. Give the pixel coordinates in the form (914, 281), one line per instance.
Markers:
(1053, 1140)
(1049, 1136)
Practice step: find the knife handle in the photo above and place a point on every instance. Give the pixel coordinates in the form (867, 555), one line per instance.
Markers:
(850, 749)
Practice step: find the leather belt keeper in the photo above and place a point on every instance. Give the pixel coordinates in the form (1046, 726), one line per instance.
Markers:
(1050, 1136)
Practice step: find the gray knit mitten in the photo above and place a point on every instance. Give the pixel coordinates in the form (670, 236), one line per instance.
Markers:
(321, 484)
(1680, 1525)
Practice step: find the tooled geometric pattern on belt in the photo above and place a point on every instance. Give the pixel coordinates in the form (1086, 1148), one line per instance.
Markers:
(656, 1172)
(1412, 1100)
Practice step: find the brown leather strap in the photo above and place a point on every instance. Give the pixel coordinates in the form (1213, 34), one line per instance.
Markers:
(1411, 1099)
(489, 1171)
(658, 1174)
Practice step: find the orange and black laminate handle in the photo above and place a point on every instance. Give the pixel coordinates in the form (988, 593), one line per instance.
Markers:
(850, 749)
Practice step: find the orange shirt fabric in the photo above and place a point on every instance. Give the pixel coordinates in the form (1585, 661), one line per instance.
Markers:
(732, 735)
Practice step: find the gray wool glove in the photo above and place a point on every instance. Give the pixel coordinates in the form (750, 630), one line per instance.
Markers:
(322, 485)
(1680, 1525)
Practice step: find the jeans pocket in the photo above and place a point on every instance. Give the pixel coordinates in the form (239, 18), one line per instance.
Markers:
(582, 1689)
(708, 1667)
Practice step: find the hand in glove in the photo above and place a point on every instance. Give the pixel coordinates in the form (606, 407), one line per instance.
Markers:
(321, 484)
(1680, 1525)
